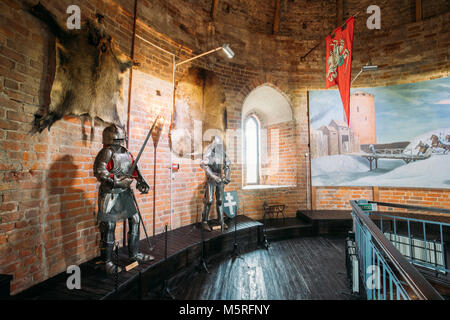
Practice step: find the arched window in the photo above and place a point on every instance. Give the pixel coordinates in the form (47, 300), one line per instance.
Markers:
(251, 127)
(267, 136)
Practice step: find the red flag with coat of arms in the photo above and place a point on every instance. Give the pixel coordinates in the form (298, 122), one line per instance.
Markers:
(339, 62)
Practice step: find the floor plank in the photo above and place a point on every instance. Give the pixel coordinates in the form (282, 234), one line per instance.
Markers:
(309, 268)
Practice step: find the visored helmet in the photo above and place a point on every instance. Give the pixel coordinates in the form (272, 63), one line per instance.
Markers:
(218, 144)
(113, 134)
(217, 140)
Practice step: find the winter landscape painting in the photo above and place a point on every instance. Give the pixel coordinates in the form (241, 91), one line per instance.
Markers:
(399, 136)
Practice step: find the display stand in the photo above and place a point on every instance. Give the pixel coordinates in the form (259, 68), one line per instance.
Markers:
(266, 242)
(235, 254)
(203, 265)
(116, 269)
(165, 293)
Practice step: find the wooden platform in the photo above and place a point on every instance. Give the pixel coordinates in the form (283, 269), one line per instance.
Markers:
(288, 228)
(184, 255)
(5, 281)
(332, 222)
(184, 249)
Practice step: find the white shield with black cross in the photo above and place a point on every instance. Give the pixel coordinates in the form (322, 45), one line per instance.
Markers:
(230, 203)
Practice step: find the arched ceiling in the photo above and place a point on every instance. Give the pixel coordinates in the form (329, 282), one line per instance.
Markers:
(269, 104)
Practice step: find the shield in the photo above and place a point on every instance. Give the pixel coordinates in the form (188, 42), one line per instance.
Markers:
(230, 204)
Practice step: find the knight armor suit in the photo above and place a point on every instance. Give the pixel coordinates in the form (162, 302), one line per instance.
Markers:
(115, 198)
(216, 165)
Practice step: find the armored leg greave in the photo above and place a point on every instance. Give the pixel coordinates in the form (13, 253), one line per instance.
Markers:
(221, 217)
(206, 210)
(133, 241)
(107, 239)
(107, 245)
(219, 200)
(205, 215)
(133, 236)
(207, 201)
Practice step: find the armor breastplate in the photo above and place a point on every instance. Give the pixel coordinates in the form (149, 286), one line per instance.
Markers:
(122, 164)
(215, 163)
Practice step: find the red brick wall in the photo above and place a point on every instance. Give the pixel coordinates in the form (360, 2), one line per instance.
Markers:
(48, 192)
(327, 198)
(419, 197)
(282, 145)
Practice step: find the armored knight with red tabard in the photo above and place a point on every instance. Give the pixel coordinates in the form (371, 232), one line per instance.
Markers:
(116, 200)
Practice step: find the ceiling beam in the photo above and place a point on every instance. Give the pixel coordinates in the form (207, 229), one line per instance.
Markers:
(215, 5)
(339, 12)
(276, 22)
(418, 10)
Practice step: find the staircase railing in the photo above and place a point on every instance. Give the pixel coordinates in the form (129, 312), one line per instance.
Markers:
(423, 246)
(386, 274)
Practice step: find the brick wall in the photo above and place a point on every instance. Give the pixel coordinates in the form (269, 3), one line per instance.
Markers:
(48, 192)
(338, 197)
(282, 154)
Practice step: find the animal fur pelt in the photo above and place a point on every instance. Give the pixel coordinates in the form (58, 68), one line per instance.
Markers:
(200, 97)
(88, 76)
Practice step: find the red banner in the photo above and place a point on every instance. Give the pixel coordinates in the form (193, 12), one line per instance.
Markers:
(339, 62)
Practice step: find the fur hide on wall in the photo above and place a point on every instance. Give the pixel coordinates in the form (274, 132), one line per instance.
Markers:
(88, 76)
(200, 105)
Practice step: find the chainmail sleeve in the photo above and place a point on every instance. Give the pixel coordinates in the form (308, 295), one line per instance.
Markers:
(100, 167)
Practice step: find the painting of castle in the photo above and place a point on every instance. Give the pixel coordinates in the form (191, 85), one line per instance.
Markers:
(398, 136)
(338, 138)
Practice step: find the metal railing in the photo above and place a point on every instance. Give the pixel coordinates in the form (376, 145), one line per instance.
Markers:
(385, 273)
(423, 248)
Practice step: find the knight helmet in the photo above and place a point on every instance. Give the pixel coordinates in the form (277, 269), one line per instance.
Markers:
(114, 135)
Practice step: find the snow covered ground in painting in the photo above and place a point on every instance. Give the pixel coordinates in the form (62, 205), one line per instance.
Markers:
(353, 170)
(349, 170)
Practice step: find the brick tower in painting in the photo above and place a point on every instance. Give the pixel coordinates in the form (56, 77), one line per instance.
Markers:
(362, 117)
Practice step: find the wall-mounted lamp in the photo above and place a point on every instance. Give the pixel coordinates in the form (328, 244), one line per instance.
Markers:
(365, 68)
(226, 48)
(369, 68)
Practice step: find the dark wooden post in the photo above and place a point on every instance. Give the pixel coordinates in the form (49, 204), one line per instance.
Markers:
(418, 10)
(276, 22)
(339, 12)
(215, 5)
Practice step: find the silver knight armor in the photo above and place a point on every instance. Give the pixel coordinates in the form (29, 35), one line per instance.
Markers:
(115, 199)
(216, 165)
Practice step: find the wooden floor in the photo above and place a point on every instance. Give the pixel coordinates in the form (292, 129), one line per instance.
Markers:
(309, 268)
